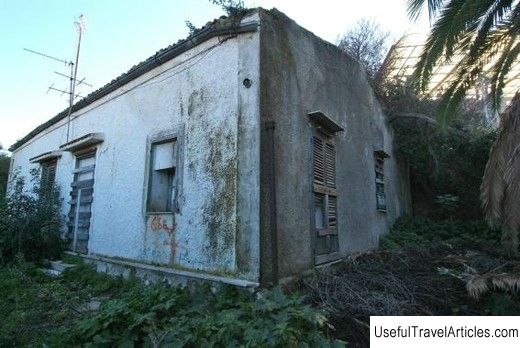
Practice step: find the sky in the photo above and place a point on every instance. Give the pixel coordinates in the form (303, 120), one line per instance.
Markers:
(122, 33)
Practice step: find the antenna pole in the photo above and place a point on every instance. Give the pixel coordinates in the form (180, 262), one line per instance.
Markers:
(73, 73)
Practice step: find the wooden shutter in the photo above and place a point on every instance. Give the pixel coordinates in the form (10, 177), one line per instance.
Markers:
(330, 166)
(48, 174)
(332, 211)
(326, 243)
(380, 183)
(318, 161)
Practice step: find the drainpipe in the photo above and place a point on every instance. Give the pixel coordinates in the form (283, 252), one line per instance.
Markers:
(273, 230)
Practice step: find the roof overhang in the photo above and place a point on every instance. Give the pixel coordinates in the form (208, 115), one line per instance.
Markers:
(46, 156)
(381, 153)
(325, 122)
(82, 142)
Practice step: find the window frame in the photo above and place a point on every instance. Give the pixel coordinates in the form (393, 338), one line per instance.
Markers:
(45, 184)
(380, 182)
(324, 188)
(157, 139)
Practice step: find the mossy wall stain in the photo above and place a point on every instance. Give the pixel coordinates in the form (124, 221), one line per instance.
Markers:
(211, 161)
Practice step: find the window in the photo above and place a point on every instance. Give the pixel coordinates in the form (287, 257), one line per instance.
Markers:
(81, 199)
(48, 175)
(325, 197)
(161, 183)
(380, 182)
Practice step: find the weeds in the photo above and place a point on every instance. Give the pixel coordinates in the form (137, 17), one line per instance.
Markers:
(420, 232)
(38, 310)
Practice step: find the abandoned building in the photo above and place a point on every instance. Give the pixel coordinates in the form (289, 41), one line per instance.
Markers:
(248, 153)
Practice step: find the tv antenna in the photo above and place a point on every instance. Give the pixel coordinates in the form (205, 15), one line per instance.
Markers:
(73, 81)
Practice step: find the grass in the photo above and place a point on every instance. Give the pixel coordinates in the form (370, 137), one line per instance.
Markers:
(37, 309)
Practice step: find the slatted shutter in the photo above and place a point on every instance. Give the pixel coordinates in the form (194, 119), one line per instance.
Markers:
(48, 175)
(380, 183)
(330, 165)
(318, 161)
(332, 211)
(81, 198)
(325, 199)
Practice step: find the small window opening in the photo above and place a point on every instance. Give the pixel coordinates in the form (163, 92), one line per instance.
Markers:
(161, 190)
(48, 175)
(380, 182)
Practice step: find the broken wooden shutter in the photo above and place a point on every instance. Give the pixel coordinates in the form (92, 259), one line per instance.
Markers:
(325, 199)
(380, 183)
(318, 161)
(48, 175)
(332, 211)
(330, 165)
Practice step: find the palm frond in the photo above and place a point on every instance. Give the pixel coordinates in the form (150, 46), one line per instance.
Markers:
(457, 19)
(415, 7)
(491, 19)
(500, 71)
(500, 189)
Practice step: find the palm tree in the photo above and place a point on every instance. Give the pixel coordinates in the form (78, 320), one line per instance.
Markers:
(486, 33)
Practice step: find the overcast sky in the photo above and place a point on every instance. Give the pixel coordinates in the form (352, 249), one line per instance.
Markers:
(121, 33)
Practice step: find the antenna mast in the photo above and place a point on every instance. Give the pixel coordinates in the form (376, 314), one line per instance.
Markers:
(80, 26)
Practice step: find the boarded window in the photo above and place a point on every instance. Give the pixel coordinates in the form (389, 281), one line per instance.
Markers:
(161, 186)
(325, 197)
(380, 182)
(48, 175)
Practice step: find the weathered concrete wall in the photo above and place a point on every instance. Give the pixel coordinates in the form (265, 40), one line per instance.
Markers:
(199, 94)
(300, 74)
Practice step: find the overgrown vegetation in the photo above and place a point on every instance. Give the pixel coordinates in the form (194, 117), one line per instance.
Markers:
(425, 267)
(234, 9)
(446, 164)
(480, 38)
(419, 233)
(37, 309)
(30, 221)
(4, 171)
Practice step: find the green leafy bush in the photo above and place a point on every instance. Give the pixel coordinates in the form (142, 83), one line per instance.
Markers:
(30, 221)
(420, 232)
(4, 171)
(160, 315)
(38, 310)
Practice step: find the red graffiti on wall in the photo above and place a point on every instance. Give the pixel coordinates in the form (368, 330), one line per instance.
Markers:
(159, 224)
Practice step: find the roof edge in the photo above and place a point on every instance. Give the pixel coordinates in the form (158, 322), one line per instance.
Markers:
(151, 63)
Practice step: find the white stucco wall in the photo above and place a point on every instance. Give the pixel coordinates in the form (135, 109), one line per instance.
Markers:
(199, 94)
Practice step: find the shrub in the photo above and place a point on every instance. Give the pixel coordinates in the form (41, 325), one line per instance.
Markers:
(421, 232)
(163, 316)
(4, 171)
(30, 221)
